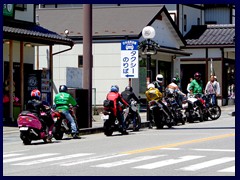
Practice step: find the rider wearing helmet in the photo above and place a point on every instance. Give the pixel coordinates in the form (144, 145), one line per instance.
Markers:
(159, 82)
(117, 99)
(63, 100)
(173, 87)
(35, 105)
(129, 95)
(196, 86)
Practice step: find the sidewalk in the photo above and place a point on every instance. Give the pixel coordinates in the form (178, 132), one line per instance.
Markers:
(97, 123)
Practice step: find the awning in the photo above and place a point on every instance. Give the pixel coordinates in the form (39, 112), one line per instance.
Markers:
(177, 52)
(30, 32)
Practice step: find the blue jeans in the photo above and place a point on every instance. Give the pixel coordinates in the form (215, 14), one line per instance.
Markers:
(214, 99)
(72, 122)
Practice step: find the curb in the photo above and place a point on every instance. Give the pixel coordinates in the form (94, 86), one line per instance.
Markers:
(86, 131)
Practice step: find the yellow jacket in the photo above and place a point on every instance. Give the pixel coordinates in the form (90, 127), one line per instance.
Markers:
(153, 94)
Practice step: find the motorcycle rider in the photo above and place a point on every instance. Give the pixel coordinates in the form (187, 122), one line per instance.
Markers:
(173, 88)
(35, 105)
(196, 86)
(63, 100)
(129, 95)
(159, 82)
(117, 99)
(153, 93)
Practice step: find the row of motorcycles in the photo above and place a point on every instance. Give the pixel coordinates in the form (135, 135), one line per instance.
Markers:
(33, 127)
(170, 111)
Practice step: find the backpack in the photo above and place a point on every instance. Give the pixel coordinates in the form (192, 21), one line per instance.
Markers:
(108, 103)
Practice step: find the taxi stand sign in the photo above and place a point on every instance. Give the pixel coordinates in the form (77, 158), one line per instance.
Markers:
(129, 59)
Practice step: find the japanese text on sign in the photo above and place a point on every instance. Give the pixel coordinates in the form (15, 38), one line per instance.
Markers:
(129, 59)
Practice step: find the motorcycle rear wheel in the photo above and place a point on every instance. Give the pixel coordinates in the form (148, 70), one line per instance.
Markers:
(25, 138)
(108, 131)
(57, 133)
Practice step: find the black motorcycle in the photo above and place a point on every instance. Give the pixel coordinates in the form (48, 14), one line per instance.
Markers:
(175, 109)
(129, 114)
(160, 115)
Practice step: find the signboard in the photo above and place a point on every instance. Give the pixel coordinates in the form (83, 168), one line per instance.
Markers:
(8, 10)
(129, 59)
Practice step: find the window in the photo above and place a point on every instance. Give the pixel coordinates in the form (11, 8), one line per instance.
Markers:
(80, 61)
(21, 7)
(198, 21)
(185, 22)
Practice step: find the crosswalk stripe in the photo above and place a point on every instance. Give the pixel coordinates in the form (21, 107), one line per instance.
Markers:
(215, 150)
(28, 157)
(207, 164)
(230, 169)
(168, 162)
(53, 159)
(127, 161)
(10, 155)
(92, 159)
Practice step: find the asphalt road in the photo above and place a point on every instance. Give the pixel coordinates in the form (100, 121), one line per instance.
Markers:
(198, 149)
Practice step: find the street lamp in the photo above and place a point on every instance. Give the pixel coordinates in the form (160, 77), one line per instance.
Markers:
(148, 47)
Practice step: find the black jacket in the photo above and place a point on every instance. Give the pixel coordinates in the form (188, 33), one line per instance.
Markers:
(128, 95)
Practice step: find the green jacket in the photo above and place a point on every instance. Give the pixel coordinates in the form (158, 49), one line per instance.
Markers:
(197, 87)
(62, 101)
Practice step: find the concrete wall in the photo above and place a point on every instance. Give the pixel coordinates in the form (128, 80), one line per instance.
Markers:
(26, 15)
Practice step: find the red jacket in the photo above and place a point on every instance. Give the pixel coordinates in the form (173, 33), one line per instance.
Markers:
(116, 97)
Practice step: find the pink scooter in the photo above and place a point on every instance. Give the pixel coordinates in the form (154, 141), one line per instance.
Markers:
(31, 128)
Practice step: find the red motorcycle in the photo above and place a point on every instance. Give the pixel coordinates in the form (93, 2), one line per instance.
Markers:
(62, 124)
(32, 127)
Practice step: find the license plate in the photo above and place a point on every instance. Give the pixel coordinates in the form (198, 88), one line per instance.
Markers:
(23, 128)
(103, 117)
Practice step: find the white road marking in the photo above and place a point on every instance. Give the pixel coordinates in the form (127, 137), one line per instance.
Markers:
(230, 169)
(168, 162)
(127, 161)
(29, 157)
(10, 155)
(53, 159)
(93, 159)
(216, 150)
(207, 164)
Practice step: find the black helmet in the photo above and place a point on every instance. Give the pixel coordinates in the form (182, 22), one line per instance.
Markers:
(129, 88)
(63, 88)
(175, 80)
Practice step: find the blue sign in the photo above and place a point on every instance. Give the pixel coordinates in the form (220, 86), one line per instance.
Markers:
(129, 59)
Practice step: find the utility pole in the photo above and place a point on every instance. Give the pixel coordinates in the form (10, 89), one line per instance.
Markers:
(87, 57)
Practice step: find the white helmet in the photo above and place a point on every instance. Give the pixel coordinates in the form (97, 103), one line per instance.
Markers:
(159, 78)
(151, 85)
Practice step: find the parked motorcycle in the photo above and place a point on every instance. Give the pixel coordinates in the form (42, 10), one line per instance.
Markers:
(31, 127)
(62, 124)
(110, 121)
(210, 110)
(193, 109)
(175, 110)
(129, 114)
(159, 114)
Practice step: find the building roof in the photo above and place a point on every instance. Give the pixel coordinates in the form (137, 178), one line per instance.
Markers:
(107, 22)
(211, 35)
(30, 32)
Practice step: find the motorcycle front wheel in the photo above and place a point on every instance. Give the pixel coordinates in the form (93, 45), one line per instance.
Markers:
(138, 123)
(214, 112)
